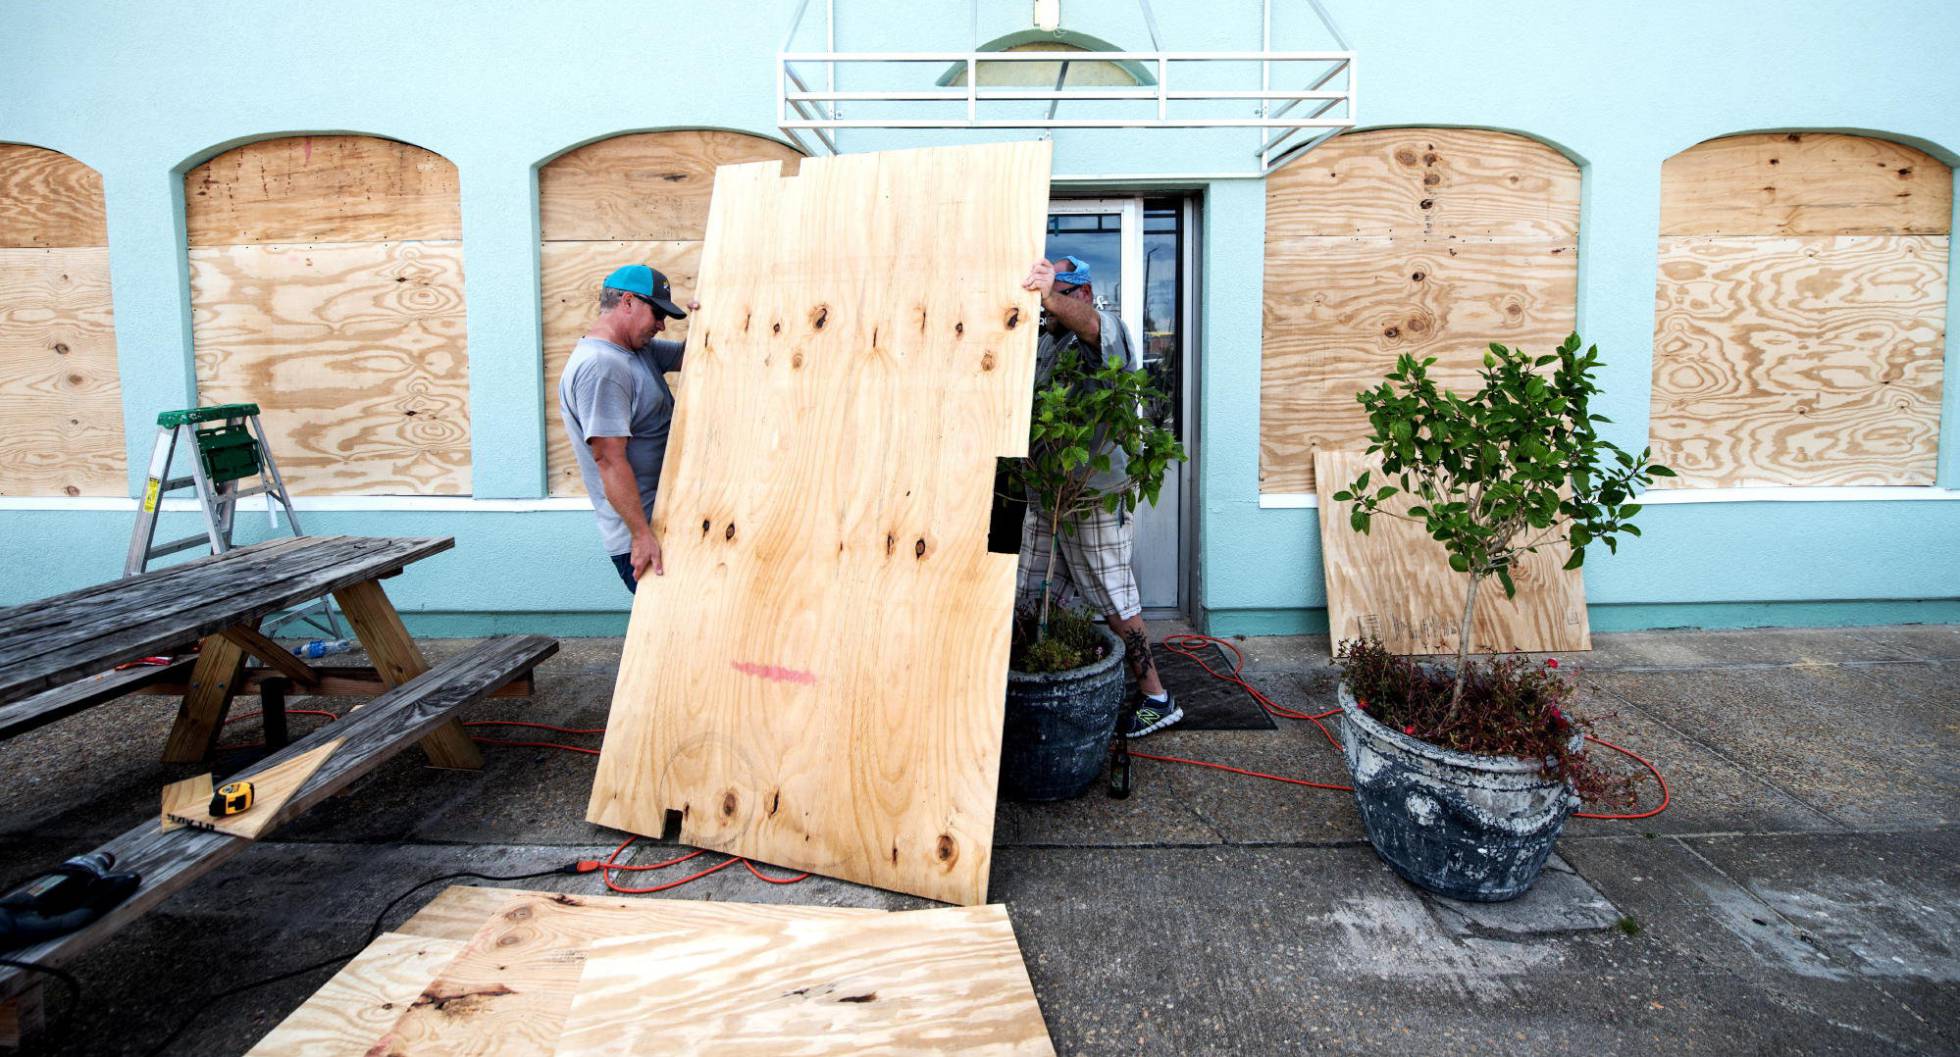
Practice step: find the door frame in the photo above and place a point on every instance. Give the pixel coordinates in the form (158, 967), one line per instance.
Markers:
(1190, 205)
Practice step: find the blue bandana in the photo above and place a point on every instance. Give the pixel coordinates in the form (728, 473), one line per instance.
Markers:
(1078, 275)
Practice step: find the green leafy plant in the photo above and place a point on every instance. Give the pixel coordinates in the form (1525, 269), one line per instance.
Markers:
(1087, 409)
(1515, 466)
(1073, 641)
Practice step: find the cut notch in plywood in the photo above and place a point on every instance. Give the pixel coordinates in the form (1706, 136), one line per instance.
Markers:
(1395, 583)
(1426, 242)
(60, 387)
(948, 982)
(831, 615)
(640, 198)
(1801, 324)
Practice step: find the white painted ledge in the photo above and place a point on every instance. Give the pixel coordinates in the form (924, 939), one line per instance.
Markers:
(408, 503)
(1678, 496)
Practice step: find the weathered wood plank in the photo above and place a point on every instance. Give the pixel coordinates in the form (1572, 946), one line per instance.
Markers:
(1799, 361)
(214, 681)
(356, 355)
(63, 701)
(399, 660)
(48, 199)
(335, 681)
(322, 189)
(171, 860)
(272, 655)
(1805, 183)
(43, 644)
(644, 186)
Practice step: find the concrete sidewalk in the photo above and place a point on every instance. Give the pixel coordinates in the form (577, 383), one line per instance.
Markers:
(1802, 895)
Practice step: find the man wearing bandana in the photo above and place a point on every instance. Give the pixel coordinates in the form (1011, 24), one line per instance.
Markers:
(1094, 560)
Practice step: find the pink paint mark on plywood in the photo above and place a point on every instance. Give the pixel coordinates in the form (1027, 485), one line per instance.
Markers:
(775, 673)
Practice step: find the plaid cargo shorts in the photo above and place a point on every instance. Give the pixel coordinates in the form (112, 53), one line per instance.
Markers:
(1093, 563)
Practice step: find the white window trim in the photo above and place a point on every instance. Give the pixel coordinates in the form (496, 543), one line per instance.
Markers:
(1684, 496)
(409, 503)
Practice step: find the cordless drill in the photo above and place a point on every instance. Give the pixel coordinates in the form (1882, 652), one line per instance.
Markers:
(63, 899)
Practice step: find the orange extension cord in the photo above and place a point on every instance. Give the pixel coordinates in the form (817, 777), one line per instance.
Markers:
(1187, 645)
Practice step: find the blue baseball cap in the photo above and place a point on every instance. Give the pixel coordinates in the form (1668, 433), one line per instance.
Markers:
(1078, 273)
(644, 281)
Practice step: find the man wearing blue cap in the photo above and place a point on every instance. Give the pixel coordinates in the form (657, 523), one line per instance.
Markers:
(1094, 560)
(617, 410)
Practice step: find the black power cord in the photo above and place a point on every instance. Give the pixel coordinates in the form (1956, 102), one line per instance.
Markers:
(68, 981)
(373, 931)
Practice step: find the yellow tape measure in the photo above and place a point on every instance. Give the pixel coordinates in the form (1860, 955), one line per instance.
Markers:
(230, 799)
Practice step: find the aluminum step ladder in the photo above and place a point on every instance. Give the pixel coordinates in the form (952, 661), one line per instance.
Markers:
(226, 445)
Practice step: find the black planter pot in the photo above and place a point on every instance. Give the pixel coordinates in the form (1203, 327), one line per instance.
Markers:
(1463, 826)
(1059, 725)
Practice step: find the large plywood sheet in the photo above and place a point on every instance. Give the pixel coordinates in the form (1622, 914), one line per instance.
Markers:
(644, 186)
(48, 199)
(322, 189)
(1431, 242)
(351, 1010)
(60, 390)
(355, 353)
(572, 272)
(506, 992)
(1812, 360)
(1395, 583)
(818, 679)
(1805, 183)
(948, 982)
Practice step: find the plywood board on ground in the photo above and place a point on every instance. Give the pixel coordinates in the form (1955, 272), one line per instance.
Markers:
(1395, 583)
(926, 982)
(1800, 361)
(644, 186)
(48, 200)
(355, 353)
(818, 679)
(60, 389)
(507, 991)
(322, 189)
(572, 272)
(459, 911)
(1805, 183)
(351, 1010)
(1340, 311)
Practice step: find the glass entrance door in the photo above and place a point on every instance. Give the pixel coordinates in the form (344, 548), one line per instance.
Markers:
(1134, 249)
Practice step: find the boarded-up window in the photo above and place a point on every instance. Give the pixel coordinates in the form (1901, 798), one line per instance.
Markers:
(633, 199)
(1430, 242)
(1801, 317)
(60, 395)
(327, 287)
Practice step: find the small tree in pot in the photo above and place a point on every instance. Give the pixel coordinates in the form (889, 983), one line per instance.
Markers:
(1065, 686)
(1512, 468)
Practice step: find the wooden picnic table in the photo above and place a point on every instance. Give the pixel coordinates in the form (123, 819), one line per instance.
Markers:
(219, 601)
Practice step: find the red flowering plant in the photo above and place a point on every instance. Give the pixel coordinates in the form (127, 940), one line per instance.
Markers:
(1523, 709)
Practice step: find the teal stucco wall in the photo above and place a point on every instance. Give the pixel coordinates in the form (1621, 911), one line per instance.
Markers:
(142, 92)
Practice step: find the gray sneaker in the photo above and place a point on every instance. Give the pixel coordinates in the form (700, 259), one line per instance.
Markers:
(1153, 716)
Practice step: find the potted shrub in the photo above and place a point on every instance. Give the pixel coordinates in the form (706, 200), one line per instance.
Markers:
(1465, 774)
(1065, 673)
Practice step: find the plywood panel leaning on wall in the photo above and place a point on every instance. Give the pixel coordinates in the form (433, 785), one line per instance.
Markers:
(327, 287)
(640, 198)
(1432, 242)
(1800, 328)
(60, 392)
(818, 679)
(1395, 583)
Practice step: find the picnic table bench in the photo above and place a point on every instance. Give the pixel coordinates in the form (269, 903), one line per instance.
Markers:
(46, 646)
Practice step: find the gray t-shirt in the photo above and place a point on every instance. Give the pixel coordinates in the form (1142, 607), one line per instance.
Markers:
(1116, 348)
(608, 391)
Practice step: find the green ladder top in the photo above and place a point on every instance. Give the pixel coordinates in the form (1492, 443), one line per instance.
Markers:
(173, 419)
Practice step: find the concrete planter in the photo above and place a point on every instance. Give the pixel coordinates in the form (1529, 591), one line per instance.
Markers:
(1059, 725)
(1464, 826)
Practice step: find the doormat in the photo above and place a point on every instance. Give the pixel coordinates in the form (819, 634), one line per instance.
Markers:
(1214, 704)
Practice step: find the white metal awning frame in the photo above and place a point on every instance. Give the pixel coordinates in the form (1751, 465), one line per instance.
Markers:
(812, 118)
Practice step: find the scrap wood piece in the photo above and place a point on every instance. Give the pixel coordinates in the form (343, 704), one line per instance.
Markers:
(818, 679)
(271, 788)
(507, 992)
(1396, 584)
(185, 797)
(947, 981)
(345, 1015)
